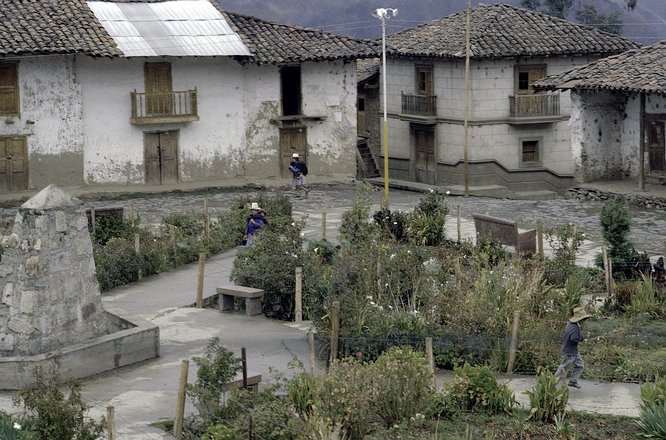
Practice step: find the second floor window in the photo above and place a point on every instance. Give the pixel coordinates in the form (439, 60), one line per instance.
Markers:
(424, 84)
(159, 89)
(9, 90)
(526, 76)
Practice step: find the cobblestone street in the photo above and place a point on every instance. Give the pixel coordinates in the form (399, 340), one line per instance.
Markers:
(648, 228)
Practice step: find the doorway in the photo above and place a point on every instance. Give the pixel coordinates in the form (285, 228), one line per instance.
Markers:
(656, 147)
(292, 140)
(424, 154)
(160, 155)
(13, 163)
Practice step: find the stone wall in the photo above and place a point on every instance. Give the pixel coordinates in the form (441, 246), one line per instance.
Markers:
(652, 202)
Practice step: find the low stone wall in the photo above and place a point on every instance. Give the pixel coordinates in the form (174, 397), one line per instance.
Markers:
(133, 341)
(645, 201)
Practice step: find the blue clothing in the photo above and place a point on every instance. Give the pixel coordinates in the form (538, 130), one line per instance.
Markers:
(254, 222)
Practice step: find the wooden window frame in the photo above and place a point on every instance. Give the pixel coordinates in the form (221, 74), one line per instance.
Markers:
(539, 152)
(427, 89)
(11, 89)
(527, 68)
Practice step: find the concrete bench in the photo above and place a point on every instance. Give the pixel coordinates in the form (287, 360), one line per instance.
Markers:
(506, 232)
(252, 298)
(253, 381)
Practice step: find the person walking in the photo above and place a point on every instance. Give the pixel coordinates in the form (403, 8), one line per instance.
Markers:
(298, 171)
(255, 221)
(570, 356)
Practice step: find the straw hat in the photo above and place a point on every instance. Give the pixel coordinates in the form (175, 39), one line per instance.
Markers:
(295, 155)
(255, 207)
(579, 314)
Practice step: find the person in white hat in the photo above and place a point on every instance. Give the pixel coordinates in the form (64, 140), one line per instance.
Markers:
(255, 221)
(298, 171)
(570, 357)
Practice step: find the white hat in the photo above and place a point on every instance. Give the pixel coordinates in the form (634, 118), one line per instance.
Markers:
(579, 314)
(255, 207)
(294, 155)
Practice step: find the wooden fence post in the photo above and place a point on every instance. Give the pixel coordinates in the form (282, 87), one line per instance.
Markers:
(608, 275)
(110, 423)
(540, 238)
(130, 213)
(312, 351)
(206, 219)
(172, 237)
(431, 360)
(323, 225)
(137, 251)
(180, 402)
(458, 224)
(200, 283)
(335, 331)
(298, 306)
(244, 366)
(514, 341)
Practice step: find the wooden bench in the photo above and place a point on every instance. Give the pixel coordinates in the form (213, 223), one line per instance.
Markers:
(253, 381)
(505, 232)
(252, 298)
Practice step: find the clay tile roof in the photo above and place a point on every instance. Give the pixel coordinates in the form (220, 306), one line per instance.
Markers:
(273, 43)
(367, 68)
(634, 71)
(52, 27)
(504, 31)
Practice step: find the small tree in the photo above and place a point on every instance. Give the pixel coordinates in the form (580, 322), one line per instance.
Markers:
(615, 225)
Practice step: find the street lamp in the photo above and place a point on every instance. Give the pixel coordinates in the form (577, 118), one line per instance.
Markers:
(384, 14)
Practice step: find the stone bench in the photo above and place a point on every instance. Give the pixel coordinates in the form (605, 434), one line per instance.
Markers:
(506, 232)
(253, 381)
(252, 298)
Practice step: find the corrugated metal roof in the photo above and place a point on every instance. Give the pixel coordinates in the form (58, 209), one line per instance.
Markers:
(174, 28)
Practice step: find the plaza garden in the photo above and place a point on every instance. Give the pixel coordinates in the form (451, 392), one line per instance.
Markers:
(397, 281)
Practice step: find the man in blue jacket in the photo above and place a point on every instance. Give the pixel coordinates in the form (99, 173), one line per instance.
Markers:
(570, 356)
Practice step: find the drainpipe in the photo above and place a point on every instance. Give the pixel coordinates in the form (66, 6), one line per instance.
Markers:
(641, 147)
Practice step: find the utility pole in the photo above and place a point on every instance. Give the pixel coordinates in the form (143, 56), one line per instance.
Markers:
(467, 75)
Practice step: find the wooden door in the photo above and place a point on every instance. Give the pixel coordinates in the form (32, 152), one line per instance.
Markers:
(159, 89)
(657, 147)
(424, 146)
(161, 157)
(292, 140)
(13, 163)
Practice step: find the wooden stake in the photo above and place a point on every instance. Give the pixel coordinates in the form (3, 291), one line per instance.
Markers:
(323, 225)
(458, 224)
(514, 341)
(299, 295)
(607, 275)
(180, 402)
(540, 238)
(111, 423)
(244, 367)
(335, 331)
(137, 251)
(200, 283)
(610, 277)
(207, 226)
(205, 207)
(431, 360)
(312, 351)
(130, 213)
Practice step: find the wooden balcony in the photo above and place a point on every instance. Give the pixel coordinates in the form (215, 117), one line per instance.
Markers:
(419, 105)
(544, 106)
(160, 108)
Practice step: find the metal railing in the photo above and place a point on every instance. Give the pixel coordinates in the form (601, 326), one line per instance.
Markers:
(533, 106)
(423, 105)
(169, 105)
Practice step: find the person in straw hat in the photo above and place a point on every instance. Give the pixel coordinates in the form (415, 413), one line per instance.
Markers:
(255, 221)
(298, 170)
(570, 357)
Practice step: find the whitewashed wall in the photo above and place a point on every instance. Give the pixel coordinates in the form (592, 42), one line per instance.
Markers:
(234, 136)
(50, 118)
(491, 137)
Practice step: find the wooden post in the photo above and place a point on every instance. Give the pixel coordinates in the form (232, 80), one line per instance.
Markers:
(431, 360)
(111, 423)
(250, 436)
(323, 225)
(335, 331)
(172, 237)
(514, 341)
(312, 351)
(540, 238)
(244, 367)
(207, 226)
(607, 275)
(298, 306)
(137, 251)
(610, 277)
(458, 224)
(180, 402)
(200, 283)
(205, 207)
(130, 213)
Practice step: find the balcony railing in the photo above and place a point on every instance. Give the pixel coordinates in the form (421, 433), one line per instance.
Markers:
(421, 105)
(534, 106)
(153, 108)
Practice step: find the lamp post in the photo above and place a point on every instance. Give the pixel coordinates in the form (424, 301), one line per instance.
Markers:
(384, 14)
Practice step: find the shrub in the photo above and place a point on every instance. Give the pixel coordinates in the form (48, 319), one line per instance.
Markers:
(565, 242)
(402, 385)
(644, 298)
(355, 230)
(392, 223)
(548, 401)
(216, 368)
(219, 432)
(426, 224)
(53, 415)
(475, 388)
(652, 420)
(15, 429)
